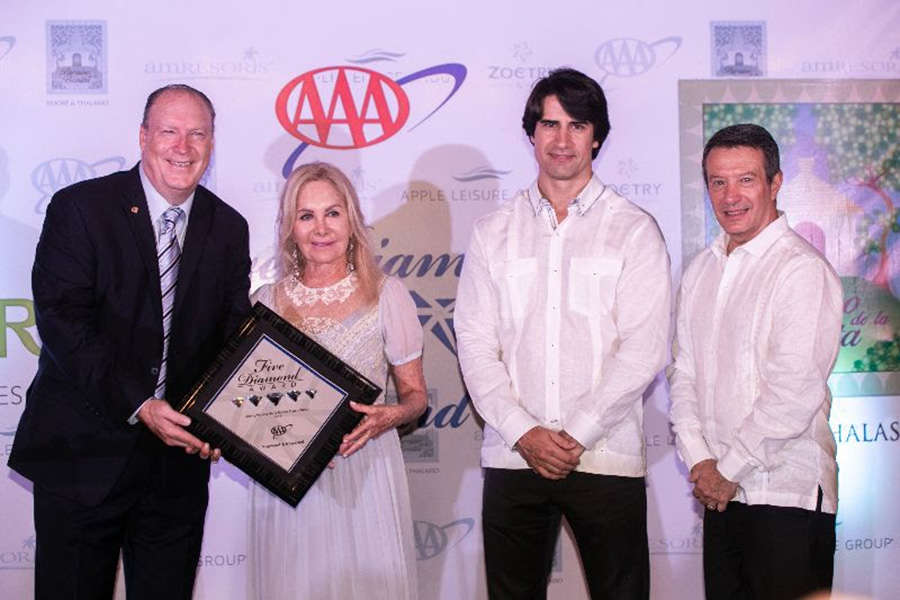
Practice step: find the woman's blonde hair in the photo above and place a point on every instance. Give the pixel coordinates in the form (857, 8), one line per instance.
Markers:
(359, 253)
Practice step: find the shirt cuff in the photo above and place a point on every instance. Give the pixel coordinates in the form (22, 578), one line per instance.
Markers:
(692, 450)
(517, 424)
(733, 467)
(583, 427)
(133, 419)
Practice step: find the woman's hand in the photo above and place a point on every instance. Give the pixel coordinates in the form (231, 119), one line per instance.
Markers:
(410, 383)
(378, 419)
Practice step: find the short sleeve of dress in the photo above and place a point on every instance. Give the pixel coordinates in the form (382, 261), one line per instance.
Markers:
(400, 325)
(265, 294)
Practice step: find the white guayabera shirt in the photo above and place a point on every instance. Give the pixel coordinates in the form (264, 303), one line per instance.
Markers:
(757, 335)
(564, 325)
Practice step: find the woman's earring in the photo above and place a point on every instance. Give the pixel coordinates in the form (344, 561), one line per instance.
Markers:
(298, 262)
(350, 266)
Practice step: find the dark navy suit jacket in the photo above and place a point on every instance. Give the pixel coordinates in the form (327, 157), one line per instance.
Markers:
(98, 311)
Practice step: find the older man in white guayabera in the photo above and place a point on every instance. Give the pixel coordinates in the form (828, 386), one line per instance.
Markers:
(759, 316)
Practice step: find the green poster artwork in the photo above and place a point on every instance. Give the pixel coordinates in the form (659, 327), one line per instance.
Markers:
(840, 154)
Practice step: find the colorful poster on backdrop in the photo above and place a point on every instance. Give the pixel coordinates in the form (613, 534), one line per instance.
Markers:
(841, 162)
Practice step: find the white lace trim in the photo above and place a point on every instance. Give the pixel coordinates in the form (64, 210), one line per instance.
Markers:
(301, 295)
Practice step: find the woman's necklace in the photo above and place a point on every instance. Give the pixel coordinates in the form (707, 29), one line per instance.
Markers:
(301, 295)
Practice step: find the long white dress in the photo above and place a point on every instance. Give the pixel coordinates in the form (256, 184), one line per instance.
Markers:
(351, 535)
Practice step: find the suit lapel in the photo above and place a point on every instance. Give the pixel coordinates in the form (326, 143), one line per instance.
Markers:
(137, 214)
(195, 237)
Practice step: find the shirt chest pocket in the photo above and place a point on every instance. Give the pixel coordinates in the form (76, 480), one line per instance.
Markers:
(592, 284)
(516, 282)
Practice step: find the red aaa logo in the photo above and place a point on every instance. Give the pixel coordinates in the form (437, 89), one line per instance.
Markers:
(364, 105)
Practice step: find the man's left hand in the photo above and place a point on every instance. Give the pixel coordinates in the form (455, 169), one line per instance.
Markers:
(710, 487)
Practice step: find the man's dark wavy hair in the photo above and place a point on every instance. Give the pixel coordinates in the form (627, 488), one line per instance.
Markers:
(580, 96)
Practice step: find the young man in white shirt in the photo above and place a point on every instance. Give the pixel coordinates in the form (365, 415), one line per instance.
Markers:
(759, 317)
(562, 320)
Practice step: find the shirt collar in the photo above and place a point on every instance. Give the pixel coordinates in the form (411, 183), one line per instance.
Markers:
(582, 203)
(157, 205)
(759, 244)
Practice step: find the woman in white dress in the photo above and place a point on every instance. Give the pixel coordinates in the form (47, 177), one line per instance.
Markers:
(351, 535)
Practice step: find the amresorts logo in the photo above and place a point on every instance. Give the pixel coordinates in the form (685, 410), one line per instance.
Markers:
(19, 556)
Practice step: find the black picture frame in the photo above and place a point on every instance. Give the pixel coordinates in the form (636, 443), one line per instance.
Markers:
(276, 403)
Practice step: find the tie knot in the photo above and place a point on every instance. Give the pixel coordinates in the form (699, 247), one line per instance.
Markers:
(170, 218)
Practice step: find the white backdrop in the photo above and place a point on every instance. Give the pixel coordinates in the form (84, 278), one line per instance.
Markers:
(463, 69)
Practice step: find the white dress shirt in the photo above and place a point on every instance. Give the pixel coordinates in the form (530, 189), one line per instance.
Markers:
(157, 205)
(564, 325)
(757, 335)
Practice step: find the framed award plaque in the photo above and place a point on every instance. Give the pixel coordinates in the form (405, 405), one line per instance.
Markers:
(277, 404)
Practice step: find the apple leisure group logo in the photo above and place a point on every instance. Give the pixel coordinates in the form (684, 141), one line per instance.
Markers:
(346, 107)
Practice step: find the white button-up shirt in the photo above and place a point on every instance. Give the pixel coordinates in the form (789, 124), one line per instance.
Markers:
(564, 325)
(757, 335)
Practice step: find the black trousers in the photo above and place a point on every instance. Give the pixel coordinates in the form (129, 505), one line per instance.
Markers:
(158, 530)
(762, 552)
(521, 513)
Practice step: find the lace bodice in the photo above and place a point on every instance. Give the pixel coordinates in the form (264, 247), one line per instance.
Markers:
(365, 337)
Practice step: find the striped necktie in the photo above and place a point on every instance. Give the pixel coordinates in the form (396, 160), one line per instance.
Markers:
(169, 255)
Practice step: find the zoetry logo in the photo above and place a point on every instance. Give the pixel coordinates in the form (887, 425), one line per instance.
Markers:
(343, 107)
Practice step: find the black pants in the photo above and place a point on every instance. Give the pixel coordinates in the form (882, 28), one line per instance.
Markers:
(521, 514)
(762, 552)
(159, 532)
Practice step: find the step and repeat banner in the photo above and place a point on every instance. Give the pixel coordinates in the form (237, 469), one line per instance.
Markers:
(421, 106)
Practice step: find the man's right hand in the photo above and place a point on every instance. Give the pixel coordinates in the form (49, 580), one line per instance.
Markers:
(549, 453)
(168, 424)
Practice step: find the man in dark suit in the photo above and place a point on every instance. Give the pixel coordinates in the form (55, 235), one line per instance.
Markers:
(112, 465)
